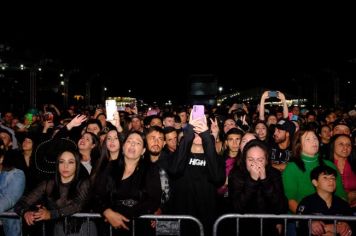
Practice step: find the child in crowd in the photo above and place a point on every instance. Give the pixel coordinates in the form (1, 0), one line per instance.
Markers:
(324, 202)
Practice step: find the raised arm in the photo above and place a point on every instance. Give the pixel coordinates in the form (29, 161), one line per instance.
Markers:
(262, 105)
(284, 104)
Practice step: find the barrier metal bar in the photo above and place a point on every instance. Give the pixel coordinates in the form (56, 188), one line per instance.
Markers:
(176, 217)
(335, 219)
(237, 225)
(88, 216)
(285, 217)
(133, 227)
(9, 215)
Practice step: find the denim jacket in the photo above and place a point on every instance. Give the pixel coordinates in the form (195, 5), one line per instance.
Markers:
(12, 185)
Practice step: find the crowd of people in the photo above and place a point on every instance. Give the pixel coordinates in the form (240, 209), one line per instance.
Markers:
(268, 159)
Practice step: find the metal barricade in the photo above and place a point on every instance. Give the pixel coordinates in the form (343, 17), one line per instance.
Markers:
(285, 218)
(165, 224)
(171, 224)
(88, 216)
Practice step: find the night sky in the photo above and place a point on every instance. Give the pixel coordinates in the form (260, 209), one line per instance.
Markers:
(166, 53)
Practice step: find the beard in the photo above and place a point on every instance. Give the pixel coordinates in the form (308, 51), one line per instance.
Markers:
(154, 153)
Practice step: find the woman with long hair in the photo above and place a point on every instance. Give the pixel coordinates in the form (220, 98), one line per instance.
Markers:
(256, 187)
(110, 151)
(129, 186)
(58, 198)
(344, 158)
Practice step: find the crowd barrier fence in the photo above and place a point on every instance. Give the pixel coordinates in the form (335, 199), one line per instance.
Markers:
(171, 224)
(285, 218)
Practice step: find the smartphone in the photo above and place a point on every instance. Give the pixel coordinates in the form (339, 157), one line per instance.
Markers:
(48, 116)
(294, 117)
(198, 111)
(272, 94)
(111, 108)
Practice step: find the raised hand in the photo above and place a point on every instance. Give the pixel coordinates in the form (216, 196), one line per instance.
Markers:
(214, 127)
(200, 125)
(76, 121)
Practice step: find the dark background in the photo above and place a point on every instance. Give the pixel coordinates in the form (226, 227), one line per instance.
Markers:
(166, 49)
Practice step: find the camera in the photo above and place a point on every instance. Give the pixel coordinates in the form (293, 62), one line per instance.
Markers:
(272, 94)
(48, 116)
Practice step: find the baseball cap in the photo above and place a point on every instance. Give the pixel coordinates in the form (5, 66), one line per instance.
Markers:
(342, 121)
(286, 125)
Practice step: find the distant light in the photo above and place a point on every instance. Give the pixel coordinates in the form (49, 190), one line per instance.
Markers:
(105, 88)
(62, 82)
(3, 67)
(220, 88)
(349, 82)
(39, 69)
(129, 90)
(22, 67)
(61, 75)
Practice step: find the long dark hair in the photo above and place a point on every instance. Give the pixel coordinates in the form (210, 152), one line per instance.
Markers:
(351, 158)
(118, 168)
(250, 144)
(121, 161)
(104, 156)
(267, 130)
(297, 149)
(95, 152)
(74, 184)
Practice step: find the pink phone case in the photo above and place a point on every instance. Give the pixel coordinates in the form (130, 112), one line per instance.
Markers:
(197, 112)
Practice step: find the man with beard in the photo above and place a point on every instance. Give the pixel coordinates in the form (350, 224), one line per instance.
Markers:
(281, 147)
(155, 143)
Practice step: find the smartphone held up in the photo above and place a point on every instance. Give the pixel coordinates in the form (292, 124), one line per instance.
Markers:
(111, 108)
(272, 94)
(198, 111)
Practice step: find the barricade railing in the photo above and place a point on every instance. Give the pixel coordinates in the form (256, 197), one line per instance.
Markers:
(165, 224)
(285, 218)
(88, 216)
(171, 224)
